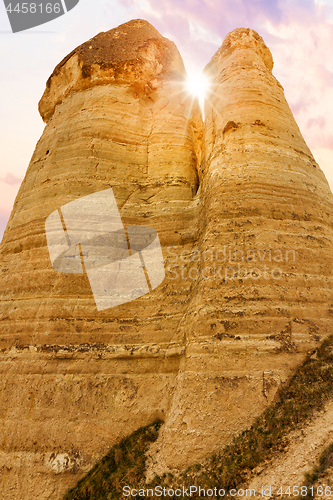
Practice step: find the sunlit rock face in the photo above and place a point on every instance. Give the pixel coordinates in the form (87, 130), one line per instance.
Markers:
(75, 379)
(264, 293)
(244, 218)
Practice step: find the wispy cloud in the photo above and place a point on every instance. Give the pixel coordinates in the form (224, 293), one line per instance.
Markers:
(11, 179)
(320, 122)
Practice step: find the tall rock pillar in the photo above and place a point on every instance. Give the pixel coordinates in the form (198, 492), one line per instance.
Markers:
(263, 295)
(75, 379)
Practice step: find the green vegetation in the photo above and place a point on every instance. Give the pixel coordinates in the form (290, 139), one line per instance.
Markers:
(124, 464)
(319, 472)
(325, 461)
(308, 390)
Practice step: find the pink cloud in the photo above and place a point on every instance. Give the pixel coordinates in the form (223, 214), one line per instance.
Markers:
(325, 75)
(11, 179)
(218, 17)
(302, 104)
(320, 122)
(325, 141)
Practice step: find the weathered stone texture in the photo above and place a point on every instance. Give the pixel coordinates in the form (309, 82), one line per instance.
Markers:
(261, 191)
(74, 380)
(204, 353)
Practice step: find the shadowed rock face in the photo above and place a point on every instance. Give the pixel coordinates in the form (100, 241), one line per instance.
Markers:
(246, 235)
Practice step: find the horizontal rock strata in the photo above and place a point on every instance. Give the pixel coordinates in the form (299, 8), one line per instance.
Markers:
(74, 379)
(263, 297)
(246, 236)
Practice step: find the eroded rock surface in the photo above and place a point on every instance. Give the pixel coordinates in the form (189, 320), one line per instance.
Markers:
(246, 235)
(263, 297)
(74, 380)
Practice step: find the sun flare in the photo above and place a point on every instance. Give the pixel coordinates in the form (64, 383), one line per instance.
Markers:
(197, 84)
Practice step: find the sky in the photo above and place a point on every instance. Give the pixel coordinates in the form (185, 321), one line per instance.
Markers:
(299, 34)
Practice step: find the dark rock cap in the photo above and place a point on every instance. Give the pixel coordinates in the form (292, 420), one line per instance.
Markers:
(134, 53)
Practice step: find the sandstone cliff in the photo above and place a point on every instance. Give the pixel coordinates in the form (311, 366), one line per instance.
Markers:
(73, 379)
(246, 233)
(266, 224)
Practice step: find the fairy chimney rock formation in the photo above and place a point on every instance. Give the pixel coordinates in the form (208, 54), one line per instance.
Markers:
(132, 53)
(75, 379)
(263, 294)
(243, 215)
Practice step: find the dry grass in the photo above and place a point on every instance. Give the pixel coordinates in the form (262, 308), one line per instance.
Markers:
(124, 464)
(308, 390)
